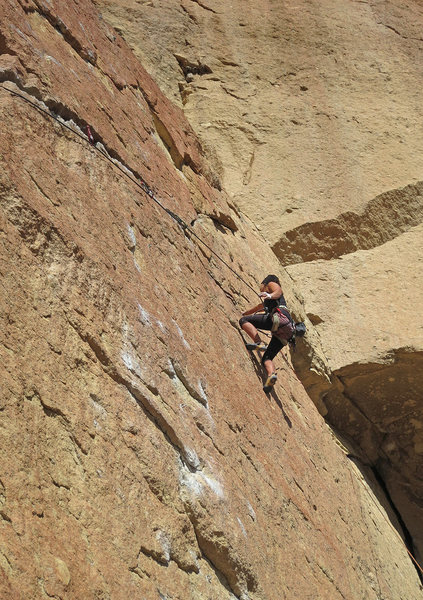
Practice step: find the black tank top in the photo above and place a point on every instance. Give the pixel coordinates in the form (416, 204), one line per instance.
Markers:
(269, 305)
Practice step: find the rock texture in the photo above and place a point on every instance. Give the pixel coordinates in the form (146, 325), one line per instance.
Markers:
(310, 114)
(141, 459)
(312, 108)
(374, 351)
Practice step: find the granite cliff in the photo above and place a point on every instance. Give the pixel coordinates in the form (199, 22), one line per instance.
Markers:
(141, 458)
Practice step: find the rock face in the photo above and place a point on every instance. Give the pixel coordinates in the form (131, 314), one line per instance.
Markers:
(312, 108)
(141, 458)
(375, 352)
(310, 114)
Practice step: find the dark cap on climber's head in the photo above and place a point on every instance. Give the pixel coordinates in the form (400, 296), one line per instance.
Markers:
(270, 278)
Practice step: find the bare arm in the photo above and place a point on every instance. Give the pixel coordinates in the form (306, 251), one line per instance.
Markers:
(251, 311)
(273, 291)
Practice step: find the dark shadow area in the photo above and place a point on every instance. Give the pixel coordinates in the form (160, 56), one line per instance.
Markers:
(377, 484)
(275, 397)
(385, 217)
(382, 500)
(402, 527)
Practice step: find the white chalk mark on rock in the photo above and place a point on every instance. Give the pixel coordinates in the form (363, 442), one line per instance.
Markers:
(144, 315)
(181, 335)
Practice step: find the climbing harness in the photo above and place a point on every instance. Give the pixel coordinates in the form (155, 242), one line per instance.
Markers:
(140, 183)
(283, 326)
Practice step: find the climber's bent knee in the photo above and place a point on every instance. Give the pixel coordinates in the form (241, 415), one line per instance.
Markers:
(242, 321)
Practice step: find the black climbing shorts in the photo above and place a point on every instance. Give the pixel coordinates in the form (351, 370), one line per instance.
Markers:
(260, 321)
(264, 322)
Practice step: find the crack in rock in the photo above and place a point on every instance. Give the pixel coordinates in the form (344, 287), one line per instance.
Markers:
(85, 52)
(202, 5)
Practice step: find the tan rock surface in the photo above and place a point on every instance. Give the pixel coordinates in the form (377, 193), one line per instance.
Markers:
(141, 459)
(311, 107)
(311, 113)
(336, 298)
(375, 353)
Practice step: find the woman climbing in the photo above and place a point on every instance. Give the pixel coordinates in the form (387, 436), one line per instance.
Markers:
(270, 315)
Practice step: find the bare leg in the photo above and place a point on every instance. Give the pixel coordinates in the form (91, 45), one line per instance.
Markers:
(269, 366)
(251, 331)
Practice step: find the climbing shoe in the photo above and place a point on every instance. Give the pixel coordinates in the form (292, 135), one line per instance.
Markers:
(270, 382)
(258, 346)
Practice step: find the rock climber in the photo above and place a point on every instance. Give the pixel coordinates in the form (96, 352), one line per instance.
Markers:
(270, 315)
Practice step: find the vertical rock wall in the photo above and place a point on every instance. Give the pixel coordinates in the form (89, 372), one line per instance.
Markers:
(140, 456)
(310, 112)
(311, 108)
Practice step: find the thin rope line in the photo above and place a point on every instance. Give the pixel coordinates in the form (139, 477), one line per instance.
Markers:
(141, 184)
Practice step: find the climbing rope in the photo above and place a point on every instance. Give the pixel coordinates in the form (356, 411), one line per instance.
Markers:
(149, 192)
(139, 183)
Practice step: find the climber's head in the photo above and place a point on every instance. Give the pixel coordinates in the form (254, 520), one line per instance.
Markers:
(267, 280)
